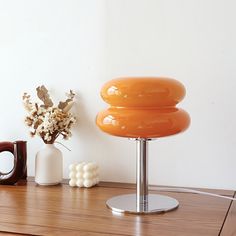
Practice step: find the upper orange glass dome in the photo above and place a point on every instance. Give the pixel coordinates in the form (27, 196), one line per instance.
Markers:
(143, 92)
(143, 107)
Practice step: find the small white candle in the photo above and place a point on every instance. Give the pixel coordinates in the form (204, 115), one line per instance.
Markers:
(83, 174)
(88, 175)
(72, 182)
(80, 166)
(88, 183)
(79, 175)
(72, 167)
(80, 183)
(72, 175)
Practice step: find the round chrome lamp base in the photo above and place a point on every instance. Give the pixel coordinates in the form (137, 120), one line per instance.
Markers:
(156, 204)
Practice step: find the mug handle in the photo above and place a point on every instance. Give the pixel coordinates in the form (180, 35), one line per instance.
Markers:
(7, 147)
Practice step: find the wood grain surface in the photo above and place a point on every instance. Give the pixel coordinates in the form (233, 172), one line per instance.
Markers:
(229, 227)
(61, 210)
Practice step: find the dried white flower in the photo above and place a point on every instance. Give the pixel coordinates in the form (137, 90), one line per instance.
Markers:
(47, 121)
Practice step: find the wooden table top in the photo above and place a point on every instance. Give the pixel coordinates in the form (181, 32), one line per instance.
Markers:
(61, 210)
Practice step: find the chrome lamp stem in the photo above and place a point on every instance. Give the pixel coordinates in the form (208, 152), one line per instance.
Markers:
(142, 175)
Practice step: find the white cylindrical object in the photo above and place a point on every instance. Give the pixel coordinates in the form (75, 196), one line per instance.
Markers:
(48, 165)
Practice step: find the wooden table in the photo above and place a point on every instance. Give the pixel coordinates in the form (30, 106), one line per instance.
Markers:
(60, 210)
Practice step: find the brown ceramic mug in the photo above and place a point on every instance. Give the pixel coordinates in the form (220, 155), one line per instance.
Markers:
(19, 170)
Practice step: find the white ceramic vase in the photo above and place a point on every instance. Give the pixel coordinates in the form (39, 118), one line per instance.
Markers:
(49, 165)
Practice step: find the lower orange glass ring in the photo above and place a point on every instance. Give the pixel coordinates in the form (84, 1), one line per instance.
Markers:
(141, 123)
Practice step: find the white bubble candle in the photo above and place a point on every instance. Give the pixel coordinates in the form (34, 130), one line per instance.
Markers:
(83, 174)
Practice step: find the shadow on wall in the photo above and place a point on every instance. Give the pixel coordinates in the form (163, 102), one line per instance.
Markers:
(88, 134)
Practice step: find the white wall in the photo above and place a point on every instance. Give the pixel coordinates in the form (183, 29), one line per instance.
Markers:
(59, 44)
(81, 44)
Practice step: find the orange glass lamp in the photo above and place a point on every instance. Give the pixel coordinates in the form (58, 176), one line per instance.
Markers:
(142, 109)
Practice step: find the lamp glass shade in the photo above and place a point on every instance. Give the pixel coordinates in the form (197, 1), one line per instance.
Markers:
(143, 108)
